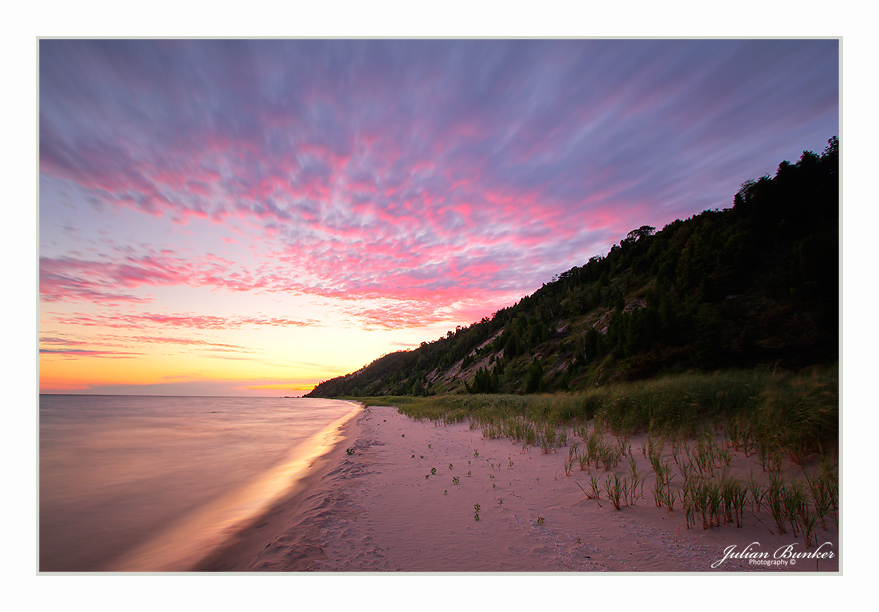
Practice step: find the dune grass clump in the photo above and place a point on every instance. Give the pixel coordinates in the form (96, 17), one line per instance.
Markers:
(662, 493)
(794, 506)
(593, 449)
(583, 459)
(823, 489)
(668, 498)
(636, 482)
(548, 438)
(615, 487)
(775, 501)
(799, 415)
(493, 429)
(610, 456)
(758, 491)
(571, 460)
(780, 416)
(718, 502)
(596, 488)
(734, 495)
(808, 522)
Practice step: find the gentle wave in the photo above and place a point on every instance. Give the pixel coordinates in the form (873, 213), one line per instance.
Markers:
(156, 483)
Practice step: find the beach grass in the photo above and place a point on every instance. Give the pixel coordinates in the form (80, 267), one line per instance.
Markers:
(695, 425)
(775, 414)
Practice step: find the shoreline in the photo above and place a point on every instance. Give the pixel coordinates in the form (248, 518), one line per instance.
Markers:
(240, 552)
(416, 496)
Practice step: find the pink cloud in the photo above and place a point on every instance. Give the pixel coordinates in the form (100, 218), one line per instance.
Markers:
(71, 349)
(180, 341)
(191, 321)
(73, 279)
(78, 353)
(117, 346)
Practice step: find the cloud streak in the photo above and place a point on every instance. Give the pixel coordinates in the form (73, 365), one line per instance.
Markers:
(190, 321)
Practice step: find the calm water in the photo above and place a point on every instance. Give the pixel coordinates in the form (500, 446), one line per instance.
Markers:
(154, 483)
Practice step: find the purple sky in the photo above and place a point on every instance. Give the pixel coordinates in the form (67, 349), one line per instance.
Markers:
(194, 194)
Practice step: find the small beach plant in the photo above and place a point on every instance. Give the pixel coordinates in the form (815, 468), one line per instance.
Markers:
(808, 522)
(820, 492)
(583, 459)
(569, 462)
(637, 480)
(690, 514)
(701, 502)
(740, 495)
(794, 502)
(757, 491)
(610, 456)
(775, 501)
(726, 497)
(593, 449)
(715, 503)
(614, 487)
(668, 498)
(548, 439)
(777, 459)
(830, 478)
(658, 488)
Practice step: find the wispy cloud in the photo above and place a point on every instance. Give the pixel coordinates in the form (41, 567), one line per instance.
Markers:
(190, 321)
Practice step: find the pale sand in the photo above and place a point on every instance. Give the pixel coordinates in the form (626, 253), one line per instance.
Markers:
(381, 510)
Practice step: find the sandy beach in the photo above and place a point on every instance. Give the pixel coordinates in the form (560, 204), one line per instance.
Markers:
(404, 495)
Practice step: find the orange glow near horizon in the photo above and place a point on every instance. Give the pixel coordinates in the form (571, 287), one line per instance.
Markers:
(98, 376)
(280, 387)
(114, 357)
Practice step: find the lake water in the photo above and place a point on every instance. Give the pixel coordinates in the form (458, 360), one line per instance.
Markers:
(148, 483)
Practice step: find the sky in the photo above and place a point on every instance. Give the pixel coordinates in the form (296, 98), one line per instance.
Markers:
(253, 217)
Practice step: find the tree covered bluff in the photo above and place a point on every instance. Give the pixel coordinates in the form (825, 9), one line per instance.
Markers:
(753, 285)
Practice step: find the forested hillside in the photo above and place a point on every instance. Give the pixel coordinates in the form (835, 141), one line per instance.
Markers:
(754, 284)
